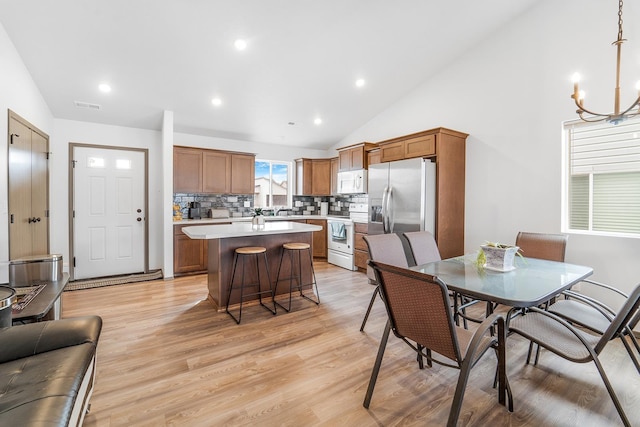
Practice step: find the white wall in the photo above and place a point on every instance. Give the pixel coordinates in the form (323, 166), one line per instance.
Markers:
(19, 93)
(261, 150)
(69, 131)
(511, 93)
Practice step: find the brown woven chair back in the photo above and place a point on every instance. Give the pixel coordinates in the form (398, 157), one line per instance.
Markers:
(423, 247)
(628, 315)
(418, 308)
(543, 246)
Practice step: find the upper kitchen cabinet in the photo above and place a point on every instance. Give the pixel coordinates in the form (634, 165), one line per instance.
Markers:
(429, 143)
(313, 177)
(212, 172)
(374, 157)
(187, 170)
(354, 157)
(243, 172)
(216, 172)
(334, 175)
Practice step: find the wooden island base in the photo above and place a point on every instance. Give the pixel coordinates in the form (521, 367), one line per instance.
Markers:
(225, 239)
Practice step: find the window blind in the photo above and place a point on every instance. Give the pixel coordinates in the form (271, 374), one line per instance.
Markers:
(604, 176)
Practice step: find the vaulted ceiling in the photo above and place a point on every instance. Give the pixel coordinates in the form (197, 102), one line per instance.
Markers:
(301, 62)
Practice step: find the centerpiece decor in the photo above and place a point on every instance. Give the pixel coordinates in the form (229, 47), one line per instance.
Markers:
(258, 217)
(497, 256)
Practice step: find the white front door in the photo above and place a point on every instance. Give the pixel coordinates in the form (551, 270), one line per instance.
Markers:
(108, 207)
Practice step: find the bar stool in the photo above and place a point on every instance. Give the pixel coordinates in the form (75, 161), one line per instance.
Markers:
(245, 252)
(292, 249)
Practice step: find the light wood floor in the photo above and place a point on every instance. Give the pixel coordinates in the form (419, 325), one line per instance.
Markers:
(165, 358)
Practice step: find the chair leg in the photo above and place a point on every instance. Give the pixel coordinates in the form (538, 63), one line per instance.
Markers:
(377, 364)
(233, 276)
(630, 350)
(314, 283)
(287, 309)
(376, 292)
(266, 268)
(612, 393)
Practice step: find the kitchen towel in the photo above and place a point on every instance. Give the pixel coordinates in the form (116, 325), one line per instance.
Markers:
(338, 230)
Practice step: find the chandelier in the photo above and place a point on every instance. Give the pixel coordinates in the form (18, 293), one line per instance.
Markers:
(617, 116)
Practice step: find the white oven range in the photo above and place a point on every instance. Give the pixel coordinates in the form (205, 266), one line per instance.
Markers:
(340, 242)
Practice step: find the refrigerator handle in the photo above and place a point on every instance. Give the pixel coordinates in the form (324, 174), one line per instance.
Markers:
(385, 213)
(390, 211)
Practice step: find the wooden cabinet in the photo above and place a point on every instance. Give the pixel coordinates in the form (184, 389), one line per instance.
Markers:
(243, 172)
(447, 148)
(216, 172)
(313, 177)
(319, 238)
(187, 170)
(334, 175)
(360, 252)
(374, 157)
(421, 144)
(354, 157)
(189, 255)
(203, 171)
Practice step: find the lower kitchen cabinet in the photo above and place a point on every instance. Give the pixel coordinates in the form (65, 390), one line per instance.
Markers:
(319, 238)
(360, 252)
(189, 255)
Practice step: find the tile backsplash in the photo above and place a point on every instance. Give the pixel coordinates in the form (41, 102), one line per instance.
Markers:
(235, 204)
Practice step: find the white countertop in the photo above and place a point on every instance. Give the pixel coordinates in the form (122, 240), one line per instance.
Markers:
(248, 219)
(244, 229)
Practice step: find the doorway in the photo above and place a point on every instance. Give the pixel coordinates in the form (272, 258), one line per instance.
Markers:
(108, 201)
(28, 178)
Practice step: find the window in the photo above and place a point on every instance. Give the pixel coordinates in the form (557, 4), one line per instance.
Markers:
(603, 178)
(272, 184)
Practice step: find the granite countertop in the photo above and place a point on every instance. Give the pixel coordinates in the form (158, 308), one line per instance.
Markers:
(243, 229)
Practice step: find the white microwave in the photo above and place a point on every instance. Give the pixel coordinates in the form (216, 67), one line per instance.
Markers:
(352, 182)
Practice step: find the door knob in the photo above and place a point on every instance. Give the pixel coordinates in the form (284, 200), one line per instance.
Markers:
(139, 210)
(138, 219)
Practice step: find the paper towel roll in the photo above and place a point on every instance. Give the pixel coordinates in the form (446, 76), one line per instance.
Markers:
(324, 208)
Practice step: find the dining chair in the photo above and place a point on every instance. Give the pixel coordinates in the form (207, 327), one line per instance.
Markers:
(423, 246)
(551, 247)
(595, 316)
(557, 335)
(421, 316)
(425, 250)
(385, 248)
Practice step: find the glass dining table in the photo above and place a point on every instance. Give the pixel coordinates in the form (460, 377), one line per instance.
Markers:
(531, 283)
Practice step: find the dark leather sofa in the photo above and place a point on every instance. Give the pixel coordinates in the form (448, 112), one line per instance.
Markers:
(47, 370)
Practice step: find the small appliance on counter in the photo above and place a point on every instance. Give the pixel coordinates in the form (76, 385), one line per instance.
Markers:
(219, 213)
(195, 210)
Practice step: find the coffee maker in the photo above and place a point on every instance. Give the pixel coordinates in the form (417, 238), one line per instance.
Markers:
(195, 211)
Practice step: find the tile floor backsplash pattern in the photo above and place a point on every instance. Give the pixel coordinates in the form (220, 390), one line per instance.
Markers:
(302, 205)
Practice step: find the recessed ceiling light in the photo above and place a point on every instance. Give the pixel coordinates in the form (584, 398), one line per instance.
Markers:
(104, 87)
(317, 121)
(360, 82)
(216, 101)
(240, 44)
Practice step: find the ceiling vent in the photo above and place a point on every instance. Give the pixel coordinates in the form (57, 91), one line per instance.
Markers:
(90, 106)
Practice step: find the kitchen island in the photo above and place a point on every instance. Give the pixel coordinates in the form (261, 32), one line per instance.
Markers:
(224, 239)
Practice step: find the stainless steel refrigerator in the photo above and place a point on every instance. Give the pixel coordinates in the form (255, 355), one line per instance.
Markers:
(402, 197)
